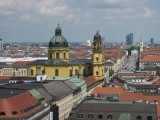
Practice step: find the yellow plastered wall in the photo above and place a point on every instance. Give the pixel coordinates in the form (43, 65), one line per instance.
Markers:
(34, 68)
(61, 54)
(62, 70)
(100, 70)
(100, 57)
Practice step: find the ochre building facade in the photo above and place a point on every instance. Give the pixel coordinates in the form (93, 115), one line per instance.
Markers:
(60, 65)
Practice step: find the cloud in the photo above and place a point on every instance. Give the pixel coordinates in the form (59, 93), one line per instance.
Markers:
(148, 13)
(71, 12)
(51, 7)
(28, 17)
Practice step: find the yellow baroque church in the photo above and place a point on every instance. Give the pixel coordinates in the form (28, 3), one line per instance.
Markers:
(59, 64)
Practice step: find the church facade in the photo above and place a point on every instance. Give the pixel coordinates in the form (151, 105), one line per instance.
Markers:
(60, 65)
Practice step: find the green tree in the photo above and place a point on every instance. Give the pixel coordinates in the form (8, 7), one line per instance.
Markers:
(111, 72)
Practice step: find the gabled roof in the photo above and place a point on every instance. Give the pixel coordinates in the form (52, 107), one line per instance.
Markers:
(20, 104)
(58, 89)
(76, 89)
(45, 94)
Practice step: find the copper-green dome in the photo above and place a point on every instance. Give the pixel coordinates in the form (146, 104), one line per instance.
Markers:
(58, 40)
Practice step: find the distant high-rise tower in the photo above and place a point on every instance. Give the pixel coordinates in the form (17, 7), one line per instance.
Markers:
(129, 39)
(141, 45)
(152, 40)
(1, 44)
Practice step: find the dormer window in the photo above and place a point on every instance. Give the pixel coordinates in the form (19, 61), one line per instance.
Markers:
(14, 113)
(2, 113)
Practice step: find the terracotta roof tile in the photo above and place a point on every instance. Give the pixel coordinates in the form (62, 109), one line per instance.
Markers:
(108, 90)
(90, 80)
(19, 103)
(21, 62)
(5, 77)
(150, 59)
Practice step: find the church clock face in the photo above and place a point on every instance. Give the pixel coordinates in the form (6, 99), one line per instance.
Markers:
(97, 55)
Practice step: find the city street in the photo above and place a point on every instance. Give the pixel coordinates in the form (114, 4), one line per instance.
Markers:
(130, 65)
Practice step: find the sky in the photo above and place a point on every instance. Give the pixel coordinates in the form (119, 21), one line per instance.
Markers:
(36, 20)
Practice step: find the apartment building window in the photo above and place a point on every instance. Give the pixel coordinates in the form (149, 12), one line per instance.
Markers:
(2, 113)
(80, 115)
(90, 115)
(100, 116)
(139, 117)
(149, 118)
(14, 113)
(56, 72)
(110, 117)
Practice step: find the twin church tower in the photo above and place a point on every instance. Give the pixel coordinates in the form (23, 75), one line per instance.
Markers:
(60, 65)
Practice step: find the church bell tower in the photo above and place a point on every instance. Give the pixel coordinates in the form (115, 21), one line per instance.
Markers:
(98, 65)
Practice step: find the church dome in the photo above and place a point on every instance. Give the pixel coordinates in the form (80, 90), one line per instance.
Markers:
(58, 40)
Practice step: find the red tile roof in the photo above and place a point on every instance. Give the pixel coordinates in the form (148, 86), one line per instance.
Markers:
(21, 62)
(150, 59)
(19, 103)
(108, 90)
(114, 53)
(5, 77)
(90, 80)
(151, 52)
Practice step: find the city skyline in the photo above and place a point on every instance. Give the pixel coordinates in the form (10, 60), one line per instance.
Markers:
(36, 20)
